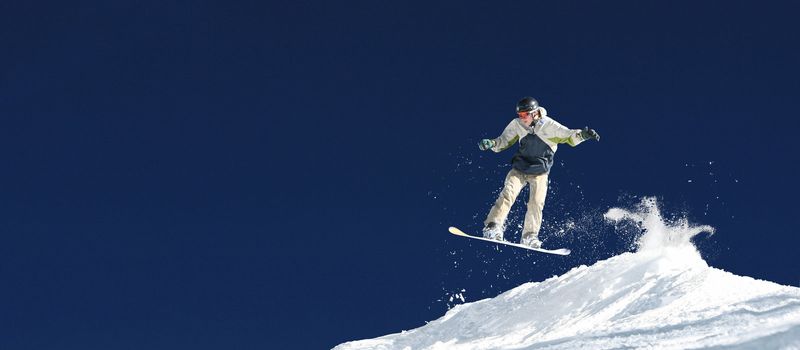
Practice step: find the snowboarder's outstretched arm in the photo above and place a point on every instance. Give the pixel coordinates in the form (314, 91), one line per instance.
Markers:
(557, 133)
(511, 135)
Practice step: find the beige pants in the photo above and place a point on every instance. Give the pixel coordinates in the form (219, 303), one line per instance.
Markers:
(515, 181)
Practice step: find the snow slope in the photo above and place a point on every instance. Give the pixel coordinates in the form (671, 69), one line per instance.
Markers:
(662, 296)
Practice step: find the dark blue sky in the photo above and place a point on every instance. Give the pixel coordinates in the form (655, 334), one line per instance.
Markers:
(251, 175)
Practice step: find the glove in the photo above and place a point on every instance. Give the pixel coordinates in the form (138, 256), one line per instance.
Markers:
(486, 144)
(587, 133)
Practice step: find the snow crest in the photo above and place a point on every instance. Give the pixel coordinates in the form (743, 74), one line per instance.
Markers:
(662, 296)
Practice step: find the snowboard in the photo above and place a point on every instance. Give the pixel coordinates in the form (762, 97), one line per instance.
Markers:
(562, 251)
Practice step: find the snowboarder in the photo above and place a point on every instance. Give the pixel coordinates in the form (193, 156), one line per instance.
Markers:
(538, 136)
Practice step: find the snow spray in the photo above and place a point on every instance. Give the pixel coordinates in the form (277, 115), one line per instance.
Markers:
(670, 241)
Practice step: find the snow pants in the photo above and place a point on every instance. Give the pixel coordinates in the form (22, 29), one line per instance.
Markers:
(515, 181)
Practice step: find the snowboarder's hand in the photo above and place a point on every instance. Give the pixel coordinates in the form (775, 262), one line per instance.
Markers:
(587, 133)
(486, 144)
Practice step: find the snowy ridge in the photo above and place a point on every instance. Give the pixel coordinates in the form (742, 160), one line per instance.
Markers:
(663, 296)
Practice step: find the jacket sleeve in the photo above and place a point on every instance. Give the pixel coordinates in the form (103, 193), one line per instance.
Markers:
(561, 134)
(508, 138)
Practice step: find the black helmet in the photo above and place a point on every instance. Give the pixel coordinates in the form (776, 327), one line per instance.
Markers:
(527, 104)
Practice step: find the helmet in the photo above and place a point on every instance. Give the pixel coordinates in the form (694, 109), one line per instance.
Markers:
(527, 104)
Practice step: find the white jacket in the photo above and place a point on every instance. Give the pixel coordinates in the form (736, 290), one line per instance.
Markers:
(547, 129)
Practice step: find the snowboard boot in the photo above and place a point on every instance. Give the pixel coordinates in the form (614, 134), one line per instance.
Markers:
(492, 231)
(530, 239)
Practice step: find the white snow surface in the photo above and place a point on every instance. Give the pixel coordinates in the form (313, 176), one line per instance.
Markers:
(663, 296)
